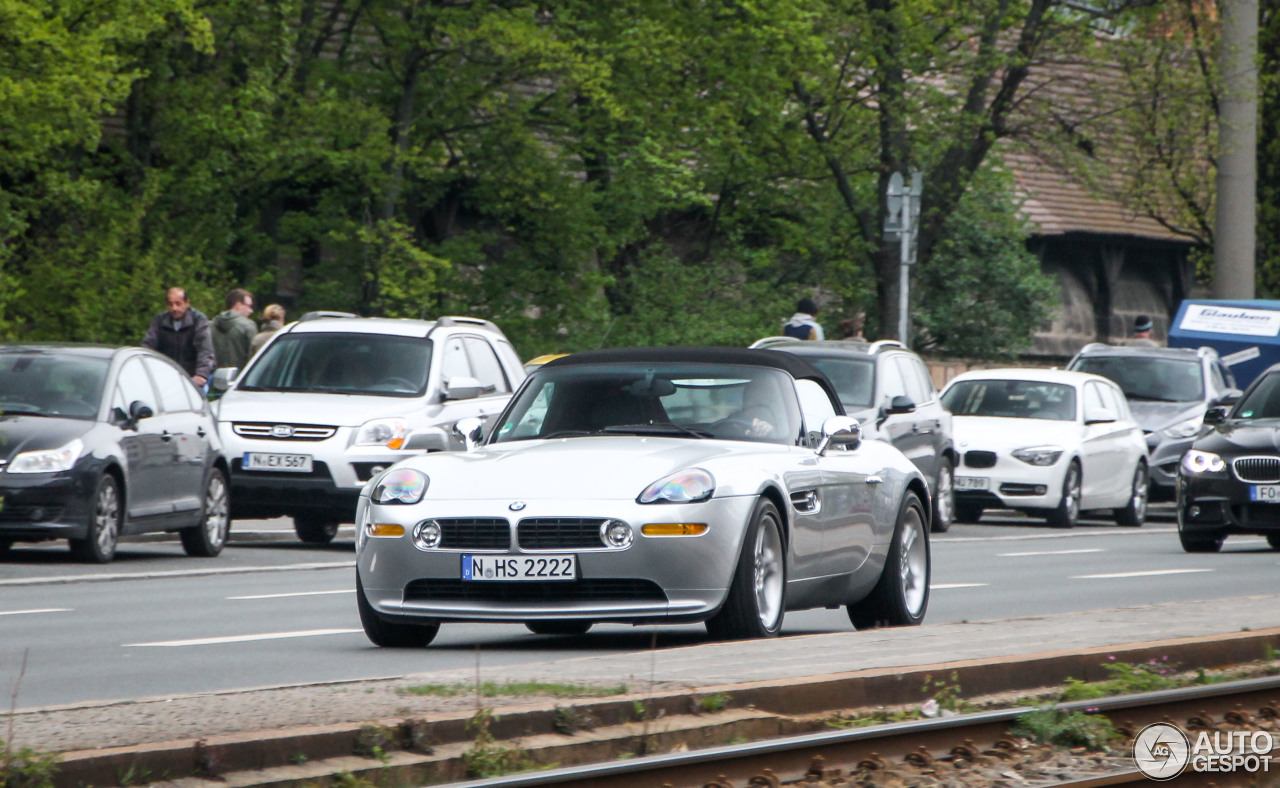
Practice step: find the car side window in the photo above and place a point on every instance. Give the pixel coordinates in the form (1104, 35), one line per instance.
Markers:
(1094, 398)
(918, 387)
(815, 405)
(454, 362)
(891, 382)
(170, 385)
(133, 385)
(486, 365)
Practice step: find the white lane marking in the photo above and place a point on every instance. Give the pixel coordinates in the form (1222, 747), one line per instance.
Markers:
(1149, 573)
(1076, 534)
(955, 585)
(295, 593)
(35, 610)
(243, 570)
(1052, 552)
(306, 633)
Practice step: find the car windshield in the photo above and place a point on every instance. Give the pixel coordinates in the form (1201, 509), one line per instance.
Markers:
(680, 400)
(342, 363)
(854, 379)
(48, 384)
(1263, 401)
(1014, 399)
(1151, 379)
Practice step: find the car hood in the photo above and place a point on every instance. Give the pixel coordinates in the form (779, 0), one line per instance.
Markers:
(338, 410)
(993, 434)
(1152, 416)
(35, 433)
(1242, 437)
(605, 467)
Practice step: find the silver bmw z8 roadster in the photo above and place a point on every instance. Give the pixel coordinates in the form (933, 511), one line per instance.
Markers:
(648, 486)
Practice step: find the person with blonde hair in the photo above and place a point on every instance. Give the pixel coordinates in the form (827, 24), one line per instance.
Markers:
(273, 321)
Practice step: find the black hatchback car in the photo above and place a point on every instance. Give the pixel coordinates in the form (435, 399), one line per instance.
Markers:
(1229, 480)
(100, 442)
(887, 388)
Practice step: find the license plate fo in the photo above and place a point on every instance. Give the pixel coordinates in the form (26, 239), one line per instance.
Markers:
(1267, 493)
(519, 567)
(972, 482)
(265, 461)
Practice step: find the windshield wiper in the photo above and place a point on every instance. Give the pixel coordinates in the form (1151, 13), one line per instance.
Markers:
(1152, 398)
(665, 428)
(564, 434)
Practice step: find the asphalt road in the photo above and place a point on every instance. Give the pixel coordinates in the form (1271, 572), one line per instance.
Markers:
(156, 622)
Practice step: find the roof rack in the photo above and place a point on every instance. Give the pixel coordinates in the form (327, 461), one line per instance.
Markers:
(323, 314)
(447, 321)
(771, 341)
(886, 344)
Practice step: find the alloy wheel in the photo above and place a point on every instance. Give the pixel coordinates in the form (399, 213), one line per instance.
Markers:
(913, 561)
(768, 572)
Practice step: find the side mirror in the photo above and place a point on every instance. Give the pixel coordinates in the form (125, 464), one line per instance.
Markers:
(471, 430)
(464, 388)
(138, 410)
(1229, 397)
(1216, 415)
(1098, 416)
(901, 404)
(427, 441)
(839, 431)
(223, 377)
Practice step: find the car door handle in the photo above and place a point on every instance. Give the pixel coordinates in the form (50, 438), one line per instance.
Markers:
(875, 479)
(166, 436)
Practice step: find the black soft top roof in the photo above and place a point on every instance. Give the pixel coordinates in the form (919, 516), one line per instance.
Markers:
(793, 365)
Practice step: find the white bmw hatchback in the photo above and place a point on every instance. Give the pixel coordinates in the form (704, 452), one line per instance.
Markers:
(1048, 443)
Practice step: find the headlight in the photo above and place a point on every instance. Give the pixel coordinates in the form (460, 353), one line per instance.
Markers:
(49, 460)
(1039, 455)
(688, 486)
(1195, 461)
(382, 432)
(402, 485)
(1185, 429)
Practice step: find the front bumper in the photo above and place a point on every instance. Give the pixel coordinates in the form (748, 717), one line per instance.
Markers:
(41, 506)
(339, 471)
(667, 579)
(1012, 483)
(1219, 503)
(1165, 457)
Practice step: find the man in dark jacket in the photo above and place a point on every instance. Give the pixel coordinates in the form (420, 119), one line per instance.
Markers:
(233, 331)
(182, 333)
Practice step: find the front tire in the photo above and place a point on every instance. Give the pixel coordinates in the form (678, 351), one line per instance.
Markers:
(1134, 512)
(560, 627)
(944, 496)
(1272, 539)
(901, 596)
(1067, 514)
(315, 528)
(754, 606)
(968, 512)
(207, 539)
(105, 523)
(1210, 542)
(387, 634)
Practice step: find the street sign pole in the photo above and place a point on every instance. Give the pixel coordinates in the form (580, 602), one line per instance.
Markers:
(903, 211)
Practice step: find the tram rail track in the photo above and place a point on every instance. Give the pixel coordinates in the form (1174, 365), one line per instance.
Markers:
(834, 755)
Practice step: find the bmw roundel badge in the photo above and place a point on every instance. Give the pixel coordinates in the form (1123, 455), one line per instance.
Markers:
(517, 506)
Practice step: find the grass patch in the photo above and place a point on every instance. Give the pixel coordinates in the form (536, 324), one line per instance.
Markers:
(491, 689)
(1066, 729)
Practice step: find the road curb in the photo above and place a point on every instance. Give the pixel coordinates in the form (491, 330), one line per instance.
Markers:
(292, 748)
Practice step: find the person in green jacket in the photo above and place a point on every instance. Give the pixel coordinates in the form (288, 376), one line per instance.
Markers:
(233, 331)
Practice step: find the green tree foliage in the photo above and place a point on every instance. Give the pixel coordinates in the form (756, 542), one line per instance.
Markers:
(585, 174)
(1269, 150)
(983, 293)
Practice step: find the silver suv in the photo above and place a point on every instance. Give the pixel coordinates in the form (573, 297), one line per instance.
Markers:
(1168, 390)
(330, 401)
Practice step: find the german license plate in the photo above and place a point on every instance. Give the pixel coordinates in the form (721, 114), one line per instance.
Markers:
(266, 461)
(519, 567)
(972, 482)
(1268, 493)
